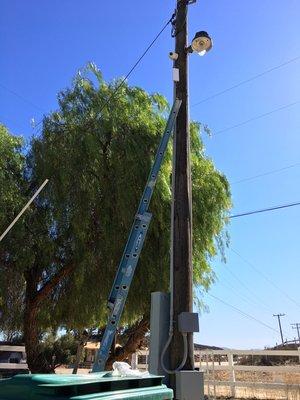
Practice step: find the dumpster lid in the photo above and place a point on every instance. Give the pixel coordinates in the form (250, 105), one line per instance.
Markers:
(66, 386)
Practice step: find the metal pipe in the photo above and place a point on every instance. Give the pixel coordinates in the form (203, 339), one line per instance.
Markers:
(24, 209)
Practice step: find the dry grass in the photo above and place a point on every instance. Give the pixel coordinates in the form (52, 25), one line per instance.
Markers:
(285, 392)
(264, 377)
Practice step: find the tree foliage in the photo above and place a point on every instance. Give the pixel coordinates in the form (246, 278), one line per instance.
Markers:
(12, 185)
(97, 159)
(58, 350)
(12, 164)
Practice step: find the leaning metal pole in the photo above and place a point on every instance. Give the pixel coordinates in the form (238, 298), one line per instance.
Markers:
(23, 209)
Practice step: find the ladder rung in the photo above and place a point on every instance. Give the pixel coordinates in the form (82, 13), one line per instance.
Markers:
(132, 251)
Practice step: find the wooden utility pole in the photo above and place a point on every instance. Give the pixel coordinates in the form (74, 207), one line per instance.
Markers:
(297, 326)
(182, 218)
(279, 323)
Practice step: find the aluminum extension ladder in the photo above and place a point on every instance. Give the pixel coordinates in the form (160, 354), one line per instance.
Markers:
(130, 257)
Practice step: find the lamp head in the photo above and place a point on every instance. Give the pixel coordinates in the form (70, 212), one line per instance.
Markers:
(201, 43)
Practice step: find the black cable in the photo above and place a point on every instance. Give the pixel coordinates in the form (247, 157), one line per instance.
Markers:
(243, 297)
(123, 80)
(136, 63)
(246, 81)
(265, 210)
(274, 171)
(243, 313)
(252, 293)
(21, 97)
(257, 117)
(265, 277)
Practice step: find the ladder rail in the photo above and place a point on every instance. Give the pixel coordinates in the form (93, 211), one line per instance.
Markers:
(148, 191)
(122, 293)
(133, 248)
(152, 178)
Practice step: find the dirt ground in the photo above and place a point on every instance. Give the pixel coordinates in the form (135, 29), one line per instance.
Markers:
(65, 371)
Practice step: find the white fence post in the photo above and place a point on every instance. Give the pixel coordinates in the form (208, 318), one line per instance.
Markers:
(232, 373)
(213, 381)
(134, 361)
(214, 377)
(208, 376)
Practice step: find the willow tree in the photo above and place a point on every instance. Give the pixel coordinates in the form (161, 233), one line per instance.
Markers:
(12, 193)
(96, 150)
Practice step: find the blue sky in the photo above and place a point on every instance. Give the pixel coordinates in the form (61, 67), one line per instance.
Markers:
(42, 46)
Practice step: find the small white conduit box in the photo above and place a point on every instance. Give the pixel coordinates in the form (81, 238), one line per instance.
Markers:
(175, 74)
(189, 385)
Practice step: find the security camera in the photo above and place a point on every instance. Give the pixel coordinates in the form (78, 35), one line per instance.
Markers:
(173, 55)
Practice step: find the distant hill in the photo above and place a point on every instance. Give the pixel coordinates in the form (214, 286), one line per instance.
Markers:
(204, 347)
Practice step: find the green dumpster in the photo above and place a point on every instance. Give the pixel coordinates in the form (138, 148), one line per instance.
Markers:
(83, 387)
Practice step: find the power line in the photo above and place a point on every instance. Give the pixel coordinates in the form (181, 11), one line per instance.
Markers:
(21, 97)
(243, 313)
(246, 81)
(118, 86)
(252, 293)
(265, 210)
(265, 277)
(243, 297)
(257, 117)
(274, 171)
(115, 91)
(137, 63)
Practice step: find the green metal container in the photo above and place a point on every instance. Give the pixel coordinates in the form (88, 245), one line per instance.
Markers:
(83, 387)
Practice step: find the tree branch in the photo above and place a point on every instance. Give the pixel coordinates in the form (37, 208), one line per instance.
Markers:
(53, 282)
(136, 335)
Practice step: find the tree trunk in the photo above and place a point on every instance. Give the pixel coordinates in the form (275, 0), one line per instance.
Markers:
(83, 338)
(136, 335)
(35, 359)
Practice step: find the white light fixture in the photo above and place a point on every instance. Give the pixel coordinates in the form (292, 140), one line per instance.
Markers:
(201, 43)
(202, 53)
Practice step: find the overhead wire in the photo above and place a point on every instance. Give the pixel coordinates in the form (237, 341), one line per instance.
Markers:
(137, 62)
(251, 302)
(21, 97)
(265, 210)
(267, 279)
(118, 87)
(122, 81)
(243, 313)
(257, 117)
(243, 82)
(250, 291)
(274, 171)
(201, 101)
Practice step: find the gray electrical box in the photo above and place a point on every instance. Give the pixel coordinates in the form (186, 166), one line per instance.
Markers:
(159, 332)
(189, 385)
(188, 322)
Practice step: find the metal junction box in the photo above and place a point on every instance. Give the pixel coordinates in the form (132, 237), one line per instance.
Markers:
(188, 322)
(189, 385)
